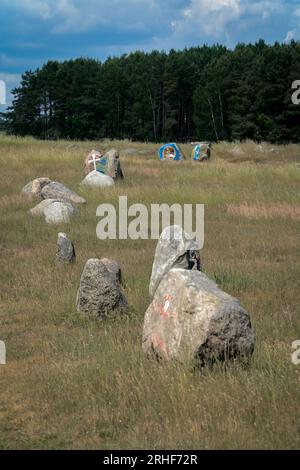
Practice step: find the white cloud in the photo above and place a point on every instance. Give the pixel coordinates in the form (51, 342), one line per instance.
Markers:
(211, 15)
(290, 35)
(156, 23)
(79, 16)
(265, 9)
(208, 18)
(214, 19)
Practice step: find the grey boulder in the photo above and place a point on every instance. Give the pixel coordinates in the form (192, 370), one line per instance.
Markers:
(39, 209)
(173, 250)
(55, 190)
(192, 319)
(59, 212)
(114, 268)
(65, 252)
(35, 187)
(99, 293)
(97, 180)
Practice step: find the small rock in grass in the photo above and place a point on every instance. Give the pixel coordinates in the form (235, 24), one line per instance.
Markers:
(65, 249)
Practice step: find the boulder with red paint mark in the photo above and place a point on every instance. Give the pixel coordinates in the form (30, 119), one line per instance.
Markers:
(191, 318)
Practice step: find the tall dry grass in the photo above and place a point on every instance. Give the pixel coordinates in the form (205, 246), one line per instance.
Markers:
(70, 382)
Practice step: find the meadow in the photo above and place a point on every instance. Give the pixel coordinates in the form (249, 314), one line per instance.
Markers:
(75, 383)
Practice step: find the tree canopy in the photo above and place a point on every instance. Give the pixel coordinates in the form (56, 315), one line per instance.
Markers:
(201, 93)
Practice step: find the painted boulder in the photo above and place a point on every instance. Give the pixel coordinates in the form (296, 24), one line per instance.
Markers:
(170, 152)
(201, 152)
(91, 160)
(109, 165)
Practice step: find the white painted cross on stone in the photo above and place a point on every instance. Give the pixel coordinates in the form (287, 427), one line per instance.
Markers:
(94, 159)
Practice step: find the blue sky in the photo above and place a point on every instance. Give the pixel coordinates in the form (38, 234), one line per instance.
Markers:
(34, 31)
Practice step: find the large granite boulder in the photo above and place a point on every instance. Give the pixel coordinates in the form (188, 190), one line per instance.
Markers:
(173, 249)
(59, 212)
(65, 252)
(55, 190)
(97, 180)
(113, 267)
(192, 319)
(99, 293)
(35, 187)
(40, 208)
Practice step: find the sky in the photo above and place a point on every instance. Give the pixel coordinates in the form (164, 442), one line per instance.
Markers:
(35, 31)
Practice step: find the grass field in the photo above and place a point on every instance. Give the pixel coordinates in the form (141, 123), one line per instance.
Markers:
(72, 383)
